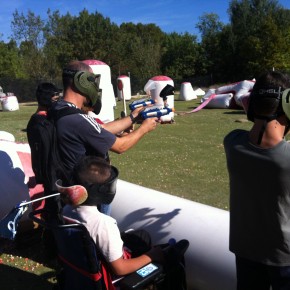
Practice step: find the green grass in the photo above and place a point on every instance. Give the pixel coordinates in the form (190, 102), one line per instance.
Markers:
(184, 159)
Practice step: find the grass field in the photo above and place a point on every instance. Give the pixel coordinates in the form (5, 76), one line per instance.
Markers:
(185, 158)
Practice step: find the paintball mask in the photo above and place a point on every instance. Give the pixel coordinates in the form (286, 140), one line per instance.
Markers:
(90, 193)
(265, 103)
(87, 83)
(45, 93)
(103, 192)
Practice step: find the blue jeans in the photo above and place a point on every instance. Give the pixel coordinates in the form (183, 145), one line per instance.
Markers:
(256, 276)
(105, 208)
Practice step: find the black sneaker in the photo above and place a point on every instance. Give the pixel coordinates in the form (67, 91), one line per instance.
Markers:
(175, 253)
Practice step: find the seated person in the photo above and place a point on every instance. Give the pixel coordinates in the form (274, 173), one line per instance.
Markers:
(100, 178)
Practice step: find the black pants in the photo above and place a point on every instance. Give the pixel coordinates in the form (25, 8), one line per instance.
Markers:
(256, 276)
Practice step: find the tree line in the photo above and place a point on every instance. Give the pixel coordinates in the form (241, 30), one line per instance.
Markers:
(256, 38)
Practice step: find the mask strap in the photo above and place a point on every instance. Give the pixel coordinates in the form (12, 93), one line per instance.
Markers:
(262, 132)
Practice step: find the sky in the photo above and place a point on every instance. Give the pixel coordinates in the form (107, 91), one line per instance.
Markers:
(170, 15)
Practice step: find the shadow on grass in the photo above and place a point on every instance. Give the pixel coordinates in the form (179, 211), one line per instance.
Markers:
(237, 112)
(24, 263)
(26, 244)
(12, 278)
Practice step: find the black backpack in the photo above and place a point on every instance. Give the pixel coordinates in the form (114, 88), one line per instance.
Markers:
(46, 162)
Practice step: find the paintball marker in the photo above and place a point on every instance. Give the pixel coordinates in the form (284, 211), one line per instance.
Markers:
(155, 112)
(140, 103)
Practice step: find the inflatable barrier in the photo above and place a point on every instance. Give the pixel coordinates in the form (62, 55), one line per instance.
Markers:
(17, 182)
(153, 87)
(9, 102)
(209, 264)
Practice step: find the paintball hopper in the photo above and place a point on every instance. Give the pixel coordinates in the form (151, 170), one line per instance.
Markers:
(73, 195)
(168, 90)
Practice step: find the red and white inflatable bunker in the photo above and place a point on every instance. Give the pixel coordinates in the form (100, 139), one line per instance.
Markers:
(153, 87)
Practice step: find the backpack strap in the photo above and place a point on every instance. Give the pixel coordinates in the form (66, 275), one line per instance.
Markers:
(55, 115)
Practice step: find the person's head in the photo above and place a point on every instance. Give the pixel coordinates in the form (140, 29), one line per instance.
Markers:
(46, 94)
(265, 102)
(79, 77)
(98, 177)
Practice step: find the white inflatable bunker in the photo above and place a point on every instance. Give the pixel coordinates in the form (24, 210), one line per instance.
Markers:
(199, 92)
(125, 92)
(220, 101)
(153, 88)
(108, 96)
(186, 92)
(209, 264)
(9, 102)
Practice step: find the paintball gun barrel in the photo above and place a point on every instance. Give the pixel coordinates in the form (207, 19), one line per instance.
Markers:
(155, 112)
(140, 103)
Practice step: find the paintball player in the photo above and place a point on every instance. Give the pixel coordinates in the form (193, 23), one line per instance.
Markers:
(79, 134)
(258, 163)
(46, 95)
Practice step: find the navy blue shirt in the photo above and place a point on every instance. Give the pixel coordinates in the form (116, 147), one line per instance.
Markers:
(79, 135)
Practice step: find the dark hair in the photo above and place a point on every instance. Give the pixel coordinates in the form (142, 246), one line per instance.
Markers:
(44, 93)
(92, 169)
(265, 99)
(98, 177)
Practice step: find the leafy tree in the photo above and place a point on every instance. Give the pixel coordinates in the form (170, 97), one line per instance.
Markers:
(180, 56)
(10, 63)
(260, 34)
(27, 28)
(211, 29)
(141, 52)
